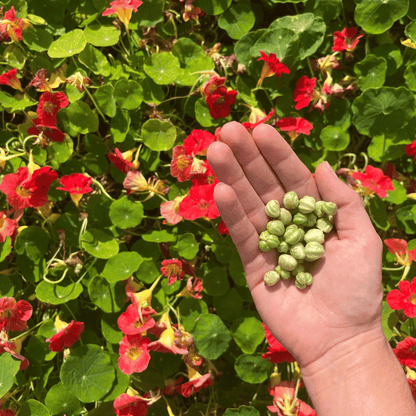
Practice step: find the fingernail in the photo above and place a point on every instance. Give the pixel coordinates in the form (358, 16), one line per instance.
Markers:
(329, 168)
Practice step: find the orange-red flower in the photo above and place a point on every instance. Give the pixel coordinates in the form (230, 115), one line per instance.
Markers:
(374, 181)
(123, 9)
(66, 336)
(406, 352)
(257, 117)
(42, 130)
(134, 355)
(304, 91)
(220, 102)
(404, 298)
(136, 320)
(49, 105)
(346, 40)
(14, 315)
(294, 127)
(130, 405)
(9, 78)
(173, 269)
(277, 353)
(272, 66)
(196, 382)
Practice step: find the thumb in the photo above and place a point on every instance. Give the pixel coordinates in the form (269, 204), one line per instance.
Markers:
(351, 219)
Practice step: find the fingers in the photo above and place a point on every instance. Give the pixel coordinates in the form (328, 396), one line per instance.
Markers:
(292, 173)
(351, 219)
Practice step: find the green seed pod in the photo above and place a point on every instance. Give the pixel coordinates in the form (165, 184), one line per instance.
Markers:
(272, 209)
(293, 236)
(319, 212)
(292, 227)
(307, 204)
(300, 219)
(311, 220)
(271, 278)
(303, 280)
(276, 227)
(265, 235)
(313, 251)
(330, 208)
(331, 218)
(314, 234)
(324, 224)
(285, 216)
(283, 247)
(273, 241)
(300, 268)
(287, 262)
(263, 246)
(284, 274)
(291, 200)
(298, 251)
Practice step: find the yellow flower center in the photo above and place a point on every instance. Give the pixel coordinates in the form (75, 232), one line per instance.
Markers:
(134, 353)
(413, 298)
(25, 193)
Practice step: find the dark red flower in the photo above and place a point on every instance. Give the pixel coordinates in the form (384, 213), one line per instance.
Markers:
(304, 91)
(127, 405)
(14, 315)
(410, 149)
(213, 84)
(406, 352)
(222, 228)
(39, 81)
(120, 162)
(346, 40)
(172, 268)
(220, 102)
(199, 203)
(67, 335)
(49, 105)
(51, 132)
(7, 412)
(9, 78)
(75, 183)
(277, 353)
(25, 190)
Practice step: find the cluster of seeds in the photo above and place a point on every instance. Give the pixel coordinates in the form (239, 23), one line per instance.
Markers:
(296, 231)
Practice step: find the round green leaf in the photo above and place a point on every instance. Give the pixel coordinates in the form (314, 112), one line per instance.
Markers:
(59, 293)
(8, 369)
(376, 16)
(5, 248)
(383, 110)
(158, 135)
(121, 382)
(60, 400)
(187, 246)
(243, 47)
(410, 76)
(109, 328)
(371, 72)
(187, 51)
(60, 152)
(334, 138)
(382, 149)
(80, 117)
(237, 21)
(6, 287)
(33, 408)
(95, 60)
(405, 219)
(37, 39)
(399, 195)
(202, 114)
(229, 305)
(252, 368)
(99, 35)
(148, 271)
(104, 97)
(110, 297)
(128, 94)
(149, 13)
(310, 29)
(88, 373)
(122, 266)
(125, 213)
(214, 6)
(216, 282)
(211, 336)
(99, 244)
(120, 125)
(242, 411)
(33, 241)
(327, 9)
(68, 44)
(162, 67)
(162, 236)
(392, 54)
(248, 333)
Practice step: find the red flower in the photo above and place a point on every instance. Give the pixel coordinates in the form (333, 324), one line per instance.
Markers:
(193, 288)
(222, 228)
(277, 353)
(375, 181)
(272, 66)
(8, 226)
(126, 405)
(166, 342)
(123, 9)
(10, 347)
(11, 27)
(67, 335)
(404, 298)
(257, 117)
(13, 315)
(173, 270)
(220, 102)
(196, 382)
(406, 352)
(136, 320)
(169, 210)
(51, 132)
(198, 142)
(213, 84)
(398, 247)
(172, 385)
(304, 91)
(346, 40)
(7, 412)
(203, 174)
(75, 183)
(25, 190)
(181, 164)
(294, 126)
(9, 78)
(410, 149)
(49, 105)
(199, 203)
(39, 81)
(120, 162)
(134, 354)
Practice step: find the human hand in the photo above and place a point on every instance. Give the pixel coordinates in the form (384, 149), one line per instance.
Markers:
(345, 298)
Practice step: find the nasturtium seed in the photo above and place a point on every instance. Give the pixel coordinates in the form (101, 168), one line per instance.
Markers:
(287, 262)
(307, 204)
(285, 216)
(284, 274)
(314, 234)
(276, 227)
(324, 224)
(297, 251)
(314, 251)
(272, 209)
(291, 200)
(271, 278)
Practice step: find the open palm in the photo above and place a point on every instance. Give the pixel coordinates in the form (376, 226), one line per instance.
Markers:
(345, 297)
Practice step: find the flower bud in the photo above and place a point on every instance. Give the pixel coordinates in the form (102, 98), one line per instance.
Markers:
(300, 219)
(287, 262)
(307, 204)
(283, 247)
(319, 209)
(330, 208)
(284, 274)
(293, 236)
(276, 227)
(285, 216)
(271, 278)
(324, 224)
(300, 268)
(298, 251)
(272, 209)
(263, 246)
(291, 200)
(313, 251)
(303, 280)
(314, 234)
(311, 220)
